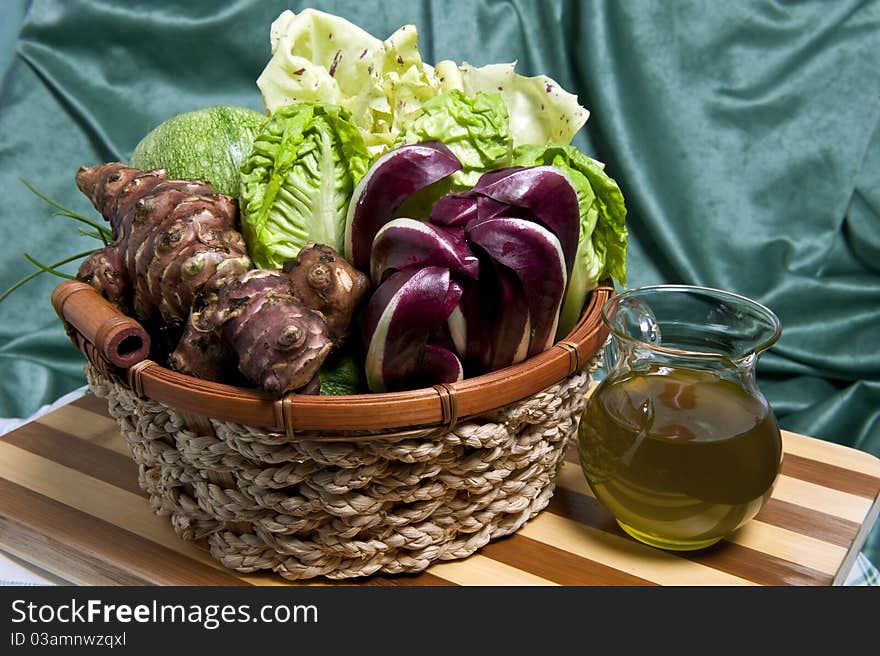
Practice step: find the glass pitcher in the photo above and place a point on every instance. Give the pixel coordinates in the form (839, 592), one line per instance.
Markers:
(677, 442)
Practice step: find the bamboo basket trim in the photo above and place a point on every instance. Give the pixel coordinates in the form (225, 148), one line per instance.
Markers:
(415, 412)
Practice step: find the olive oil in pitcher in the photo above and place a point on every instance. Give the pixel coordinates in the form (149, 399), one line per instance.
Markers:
(680, 458)
(677, 442)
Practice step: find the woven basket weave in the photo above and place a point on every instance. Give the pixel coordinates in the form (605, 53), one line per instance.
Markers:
(349, 502)
(345, 509)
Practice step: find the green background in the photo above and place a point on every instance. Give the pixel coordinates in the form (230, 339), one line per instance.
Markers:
(744, 136)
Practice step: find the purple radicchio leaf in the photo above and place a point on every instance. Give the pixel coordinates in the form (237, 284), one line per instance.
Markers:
(454, 210)
(400, 317)
(394, 177)
(470, 324)
(407, 243)
(534, 255)
(490, 326)
(511, 331)
(545, 192)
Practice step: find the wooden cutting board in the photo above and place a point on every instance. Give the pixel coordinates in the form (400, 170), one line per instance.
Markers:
(70, 504)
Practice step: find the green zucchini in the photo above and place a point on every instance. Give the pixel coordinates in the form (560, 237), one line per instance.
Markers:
(206, 144)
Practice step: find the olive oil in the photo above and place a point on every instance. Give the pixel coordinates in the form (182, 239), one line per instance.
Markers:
(681, 457)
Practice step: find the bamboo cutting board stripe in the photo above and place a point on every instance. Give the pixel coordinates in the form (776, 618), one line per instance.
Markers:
(828, 528)
(479, 568)
(822, 498)
(766, 539)
(95, 428)
(556, 564)
(69, 502)
(79, 531)
(79, 454)
(828, 475)
(753, 564)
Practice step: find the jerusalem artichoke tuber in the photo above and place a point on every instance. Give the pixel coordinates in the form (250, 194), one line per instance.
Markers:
(281, 325)
(280, 343)
(328, 284)
(177, 257)
(171, 237)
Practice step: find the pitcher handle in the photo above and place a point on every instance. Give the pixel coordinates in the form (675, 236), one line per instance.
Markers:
(634, 317)
(609, 353)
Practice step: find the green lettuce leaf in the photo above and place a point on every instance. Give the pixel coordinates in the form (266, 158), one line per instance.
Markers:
(474, 128)
(322, 58)
(603, 239)
(298, 180)
(343, 373)
(541, 111)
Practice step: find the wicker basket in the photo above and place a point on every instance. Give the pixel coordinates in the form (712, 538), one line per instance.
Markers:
(344, 486)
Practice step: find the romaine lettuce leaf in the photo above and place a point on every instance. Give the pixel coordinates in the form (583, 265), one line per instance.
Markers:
(603, 238)
(298, 180)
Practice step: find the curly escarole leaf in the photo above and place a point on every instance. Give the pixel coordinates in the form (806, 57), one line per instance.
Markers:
(321, 58)
(541, 111)
(475, 129)
(603, 238)
(297, 181)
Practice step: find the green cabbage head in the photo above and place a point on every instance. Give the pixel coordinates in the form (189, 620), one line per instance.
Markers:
(298, 180)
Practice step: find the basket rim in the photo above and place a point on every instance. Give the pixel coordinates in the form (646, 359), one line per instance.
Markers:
(441, 405)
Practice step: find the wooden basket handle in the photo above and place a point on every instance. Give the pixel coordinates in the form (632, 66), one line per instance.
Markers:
(119, 339)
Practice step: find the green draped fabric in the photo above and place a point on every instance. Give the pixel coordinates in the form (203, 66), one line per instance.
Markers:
(744, 136)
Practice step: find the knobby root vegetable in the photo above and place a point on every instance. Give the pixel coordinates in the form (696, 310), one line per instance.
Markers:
(280, 343)
(171, 238)
(328, 284)
(178, 257)
(281, 325)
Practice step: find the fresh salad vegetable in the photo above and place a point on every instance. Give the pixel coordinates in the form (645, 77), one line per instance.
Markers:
(400, 318)
(538, 193)
(502, 178)
(541, 111)
(297, 181)
(496, 261)
(407, 243)
(394, 177)
(321, 58)
(474, 128)
(534, 255)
